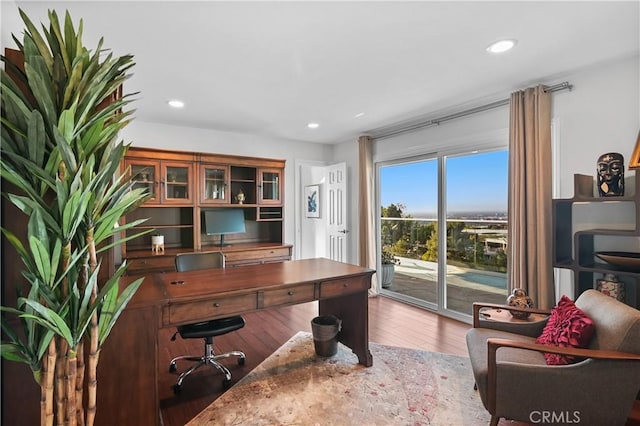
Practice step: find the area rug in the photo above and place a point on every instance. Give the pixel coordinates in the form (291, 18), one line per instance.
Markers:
(403, 387)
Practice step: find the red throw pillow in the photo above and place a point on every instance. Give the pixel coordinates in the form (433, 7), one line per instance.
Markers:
(568, 326)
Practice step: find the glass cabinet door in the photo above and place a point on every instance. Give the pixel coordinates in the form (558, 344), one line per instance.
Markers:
(177, 183)
(145, 175)
(214, 184)
(270, 185)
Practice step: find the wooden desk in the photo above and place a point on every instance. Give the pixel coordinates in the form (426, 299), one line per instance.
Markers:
(128, 369)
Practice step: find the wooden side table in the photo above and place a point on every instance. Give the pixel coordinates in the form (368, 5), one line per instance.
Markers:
(503, 315)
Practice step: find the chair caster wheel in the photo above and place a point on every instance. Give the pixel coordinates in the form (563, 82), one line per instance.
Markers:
(226, 384)
(241, 361)
(172, 367)
(177, 389)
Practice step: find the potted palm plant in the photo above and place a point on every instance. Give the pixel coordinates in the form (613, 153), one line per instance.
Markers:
(387, 264)
(60, 153)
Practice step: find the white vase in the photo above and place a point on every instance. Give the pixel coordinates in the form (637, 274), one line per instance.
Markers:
(157, 243)
(386, 275)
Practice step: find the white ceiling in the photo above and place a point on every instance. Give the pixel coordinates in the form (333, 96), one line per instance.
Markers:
(268, 68)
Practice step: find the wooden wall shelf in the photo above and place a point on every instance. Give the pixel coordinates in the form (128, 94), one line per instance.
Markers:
(574, 249)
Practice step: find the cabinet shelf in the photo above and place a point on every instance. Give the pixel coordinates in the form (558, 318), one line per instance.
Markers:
(142, 227)
(606, 268)
(612, 232)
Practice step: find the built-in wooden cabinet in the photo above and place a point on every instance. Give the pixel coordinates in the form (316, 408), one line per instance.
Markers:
(169, 180)
(184, 186)
(579, 233)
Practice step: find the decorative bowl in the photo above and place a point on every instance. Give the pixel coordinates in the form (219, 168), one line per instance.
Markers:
(627, 261)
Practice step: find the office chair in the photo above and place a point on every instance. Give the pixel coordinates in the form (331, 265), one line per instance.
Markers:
(206, 329)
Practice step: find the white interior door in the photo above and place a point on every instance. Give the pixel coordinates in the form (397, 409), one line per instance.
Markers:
(337, 231)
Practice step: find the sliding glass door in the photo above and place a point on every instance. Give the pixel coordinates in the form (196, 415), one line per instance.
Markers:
(462, 196)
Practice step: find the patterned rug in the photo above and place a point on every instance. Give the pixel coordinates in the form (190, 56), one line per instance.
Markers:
(403, 387)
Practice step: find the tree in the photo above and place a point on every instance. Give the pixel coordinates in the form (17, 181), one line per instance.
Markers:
(431, 253)
(59, 149)
(391, 230)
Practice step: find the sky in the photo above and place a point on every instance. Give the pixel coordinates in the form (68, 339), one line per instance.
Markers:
(474, 182)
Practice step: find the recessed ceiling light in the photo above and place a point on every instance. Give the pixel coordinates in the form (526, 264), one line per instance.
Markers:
(358, 115)
(501, 46)
(174, 103)
(313, 125)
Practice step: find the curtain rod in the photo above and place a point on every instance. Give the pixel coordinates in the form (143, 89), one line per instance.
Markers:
(435, 122)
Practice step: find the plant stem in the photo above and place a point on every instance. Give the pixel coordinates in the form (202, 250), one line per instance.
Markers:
(46, 385)
(80, 383)
(60, 389)
(93, 337)
(70, 366)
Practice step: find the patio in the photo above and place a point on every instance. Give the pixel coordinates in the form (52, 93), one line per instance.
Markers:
(418, 279)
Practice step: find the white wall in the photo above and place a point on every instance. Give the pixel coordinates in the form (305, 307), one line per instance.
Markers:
(162, 136)
(601, 114)
(11, 22)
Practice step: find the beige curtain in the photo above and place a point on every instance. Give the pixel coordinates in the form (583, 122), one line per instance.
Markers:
(366, 229)
(530, 212)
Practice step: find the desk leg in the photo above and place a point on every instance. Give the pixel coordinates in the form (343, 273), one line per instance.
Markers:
(353, 310)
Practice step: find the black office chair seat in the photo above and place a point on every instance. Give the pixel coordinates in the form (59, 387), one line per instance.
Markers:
(211, 328)
(207, 330)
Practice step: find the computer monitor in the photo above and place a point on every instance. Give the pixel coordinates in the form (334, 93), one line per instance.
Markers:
(224, 221)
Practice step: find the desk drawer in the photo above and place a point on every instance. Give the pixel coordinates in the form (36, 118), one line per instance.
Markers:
(258, 256)
(335, 288)
(286, 296)
(209, 309)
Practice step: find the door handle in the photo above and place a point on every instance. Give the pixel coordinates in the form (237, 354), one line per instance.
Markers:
(343, 231)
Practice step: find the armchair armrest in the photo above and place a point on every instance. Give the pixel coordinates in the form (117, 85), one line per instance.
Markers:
(493, 344)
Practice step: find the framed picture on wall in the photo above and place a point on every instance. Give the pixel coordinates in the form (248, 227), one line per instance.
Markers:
(635, 157)
(312, 201)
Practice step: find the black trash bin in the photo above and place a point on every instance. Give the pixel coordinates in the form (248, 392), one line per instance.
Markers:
(325, 334)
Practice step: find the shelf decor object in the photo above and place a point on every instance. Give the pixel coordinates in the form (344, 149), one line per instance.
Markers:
(610, 286)
(519, 299)
(611, 175)
(157, 244)
(627, 261)
(240, 197)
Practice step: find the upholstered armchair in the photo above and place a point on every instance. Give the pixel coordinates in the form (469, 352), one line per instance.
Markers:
(515, 382)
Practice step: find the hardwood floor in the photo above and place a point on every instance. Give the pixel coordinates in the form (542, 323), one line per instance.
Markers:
(390, 323)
